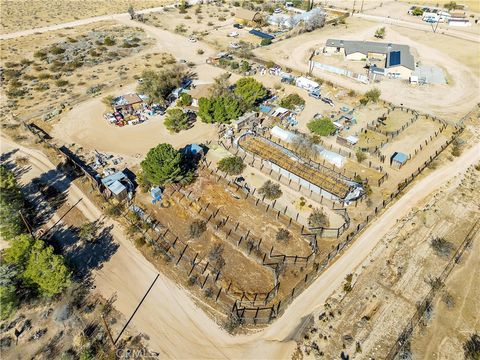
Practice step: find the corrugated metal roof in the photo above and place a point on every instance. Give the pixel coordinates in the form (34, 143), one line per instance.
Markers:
(400, 157)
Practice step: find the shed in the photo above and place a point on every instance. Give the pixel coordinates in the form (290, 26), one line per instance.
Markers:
(398, 159)
(352, 139)
(117, 185)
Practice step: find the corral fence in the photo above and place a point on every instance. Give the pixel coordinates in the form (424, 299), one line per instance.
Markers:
(322, 265)
(427, 301)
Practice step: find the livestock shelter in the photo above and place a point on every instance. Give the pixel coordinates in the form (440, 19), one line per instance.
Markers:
(398, 159)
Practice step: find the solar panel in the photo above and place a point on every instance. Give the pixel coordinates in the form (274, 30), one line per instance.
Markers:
(394, 58)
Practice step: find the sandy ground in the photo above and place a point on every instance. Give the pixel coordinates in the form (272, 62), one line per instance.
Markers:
(85, 126)
(457, 98)
(395, 277)
(168, 313)
(27, 14)
(444, 336)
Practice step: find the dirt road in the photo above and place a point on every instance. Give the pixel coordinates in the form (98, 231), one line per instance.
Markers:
(179, 329)
(424, 26)
(86, 21)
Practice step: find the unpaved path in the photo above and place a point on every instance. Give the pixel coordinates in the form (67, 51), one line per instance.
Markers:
(80, 22)
(179, 329)
(423, 26)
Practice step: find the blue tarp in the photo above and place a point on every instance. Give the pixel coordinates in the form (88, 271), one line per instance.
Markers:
(156, 194)
(261, 34)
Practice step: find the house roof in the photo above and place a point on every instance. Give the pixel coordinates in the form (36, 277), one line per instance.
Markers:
(128, 99)
(200, 91)
(113, 182)
(245, 14)
(400, 157)
(364, 47)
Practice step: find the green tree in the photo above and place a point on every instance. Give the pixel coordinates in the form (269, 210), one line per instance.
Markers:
(322, 126)
(245, 66)
(46, 270)
(176, 120)
(232, 165)
(162, 165)
(157, 85)
(271, 190)
(417, 11)
(8, 301)
(185, 99)
(291, 101)
(18, 251)
(11, 203)
(221, 109)
(250, 90)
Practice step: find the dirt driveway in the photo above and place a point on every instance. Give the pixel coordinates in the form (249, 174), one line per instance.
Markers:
(452, 100)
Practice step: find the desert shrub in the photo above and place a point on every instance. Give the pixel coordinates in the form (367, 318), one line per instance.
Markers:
(471, 347)
(140, 241)
(181, 29)
(197, 228)
(271, 190)
(200, 52)
(318, 219)
(441, 246)
(360, 155)
(57, 50)
(61, 83)
(282, 235)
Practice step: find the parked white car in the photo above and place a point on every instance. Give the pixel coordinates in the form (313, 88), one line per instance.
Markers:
(233, 34)
(235, 45)
(192, 39)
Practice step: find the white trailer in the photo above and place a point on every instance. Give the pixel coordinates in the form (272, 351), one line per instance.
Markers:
(307, 84)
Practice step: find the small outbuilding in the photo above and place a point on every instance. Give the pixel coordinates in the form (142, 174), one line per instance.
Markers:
(398, 159)
(118, 185)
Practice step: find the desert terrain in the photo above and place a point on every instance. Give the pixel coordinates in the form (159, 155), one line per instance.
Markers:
(364, 295)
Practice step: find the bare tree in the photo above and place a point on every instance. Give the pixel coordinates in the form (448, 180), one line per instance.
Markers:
(315, 21)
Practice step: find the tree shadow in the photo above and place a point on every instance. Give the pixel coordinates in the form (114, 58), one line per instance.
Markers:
(84, 256)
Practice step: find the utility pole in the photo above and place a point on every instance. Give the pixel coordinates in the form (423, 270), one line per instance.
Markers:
(353, 7)
(108, 331)
(361, 9)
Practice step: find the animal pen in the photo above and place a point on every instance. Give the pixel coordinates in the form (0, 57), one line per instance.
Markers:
(290, 165)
